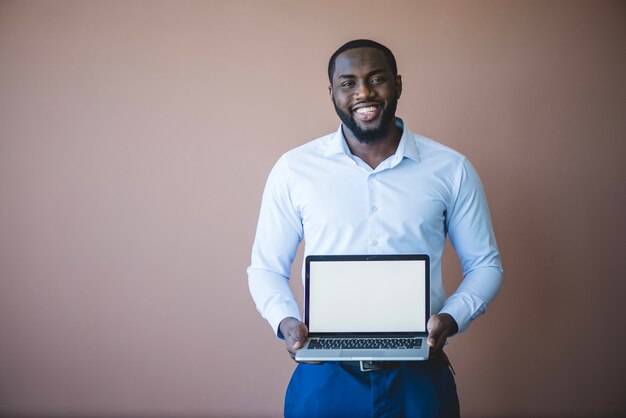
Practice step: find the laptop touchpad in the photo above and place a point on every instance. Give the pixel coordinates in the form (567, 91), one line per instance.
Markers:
(362, 353)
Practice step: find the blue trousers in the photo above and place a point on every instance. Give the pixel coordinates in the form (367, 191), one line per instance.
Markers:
(423, 389)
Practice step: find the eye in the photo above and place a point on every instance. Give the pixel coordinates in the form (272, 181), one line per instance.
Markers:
(348, 84)
(377, 80)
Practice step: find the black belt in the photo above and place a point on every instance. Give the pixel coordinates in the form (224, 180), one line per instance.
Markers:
(370, 366)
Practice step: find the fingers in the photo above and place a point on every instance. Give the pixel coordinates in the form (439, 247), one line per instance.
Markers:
(299, 339)
(295, 338)
(436, 338)
(440, 327)
(295, 333)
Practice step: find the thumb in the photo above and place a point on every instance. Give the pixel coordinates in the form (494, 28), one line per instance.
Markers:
(299, 336)
(434, 330)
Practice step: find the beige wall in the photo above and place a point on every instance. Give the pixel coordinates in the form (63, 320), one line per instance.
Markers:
(135, 138)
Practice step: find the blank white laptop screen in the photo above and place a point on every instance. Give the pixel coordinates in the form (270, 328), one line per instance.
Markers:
(367, 296)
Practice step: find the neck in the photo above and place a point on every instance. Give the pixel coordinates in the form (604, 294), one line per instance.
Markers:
(376, 152)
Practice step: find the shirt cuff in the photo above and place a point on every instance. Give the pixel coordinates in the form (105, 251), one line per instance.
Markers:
(280, 312)
(461, 310)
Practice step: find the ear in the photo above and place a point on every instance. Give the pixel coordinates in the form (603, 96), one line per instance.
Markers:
(330, 91)
(398, 86)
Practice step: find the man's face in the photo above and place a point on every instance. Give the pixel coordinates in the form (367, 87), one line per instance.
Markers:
(365, 93)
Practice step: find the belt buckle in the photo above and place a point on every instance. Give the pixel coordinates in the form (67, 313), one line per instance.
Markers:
(370, 366)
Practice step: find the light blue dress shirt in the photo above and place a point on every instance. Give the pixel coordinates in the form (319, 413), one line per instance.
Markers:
(322, 193)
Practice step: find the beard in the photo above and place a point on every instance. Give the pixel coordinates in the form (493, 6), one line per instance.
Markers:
(374, 134)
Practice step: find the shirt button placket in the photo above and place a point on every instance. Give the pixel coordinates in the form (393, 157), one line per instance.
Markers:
(373, 232)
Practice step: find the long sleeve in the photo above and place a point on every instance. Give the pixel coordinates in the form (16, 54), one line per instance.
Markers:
(471, 233)
(279, 232)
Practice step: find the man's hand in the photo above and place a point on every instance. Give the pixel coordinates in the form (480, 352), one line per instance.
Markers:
(295, 333)
(440, 327)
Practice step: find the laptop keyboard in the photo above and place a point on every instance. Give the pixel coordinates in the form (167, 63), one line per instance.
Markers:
(364, 343)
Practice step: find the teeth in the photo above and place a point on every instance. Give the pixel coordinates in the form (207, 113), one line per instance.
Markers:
(369, 109)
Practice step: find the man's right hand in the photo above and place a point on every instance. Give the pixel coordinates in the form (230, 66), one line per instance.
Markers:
(295, 333)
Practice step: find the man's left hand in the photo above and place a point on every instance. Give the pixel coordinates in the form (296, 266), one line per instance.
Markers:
(440, 327)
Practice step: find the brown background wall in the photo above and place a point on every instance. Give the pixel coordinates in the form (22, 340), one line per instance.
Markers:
(135, 139)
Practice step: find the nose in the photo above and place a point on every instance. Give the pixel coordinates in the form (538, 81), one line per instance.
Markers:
(362, 91)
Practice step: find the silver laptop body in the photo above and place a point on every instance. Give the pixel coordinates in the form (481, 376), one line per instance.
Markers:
(366, 307)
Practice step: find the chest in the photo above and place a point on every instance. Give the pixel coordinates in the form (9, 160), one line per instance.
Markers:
(408, 198)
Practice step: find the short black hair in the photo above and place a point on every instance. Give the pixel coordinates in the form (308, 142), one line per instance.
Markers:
(362, 43)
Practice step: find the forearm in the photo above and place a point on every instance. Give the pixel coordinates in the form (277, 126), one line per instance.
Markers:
(273, 297)
(479, 287)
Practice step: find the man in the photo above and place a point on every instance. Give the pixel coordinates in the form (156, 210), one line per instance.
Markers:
(373, 187)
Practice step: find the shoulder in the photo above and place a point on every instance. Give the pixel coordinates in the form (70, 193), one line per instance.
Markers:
(308, 157)
(311, 150)
(431, 150)
(442, 162)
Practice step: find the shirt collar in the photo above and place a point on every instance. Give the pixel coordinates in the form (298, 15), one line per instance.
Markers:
(338, 144)
(406, 148)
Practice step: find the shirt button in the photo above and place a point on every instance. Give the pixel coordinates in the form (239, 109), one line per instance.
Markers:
(374, 209)
(374, 243)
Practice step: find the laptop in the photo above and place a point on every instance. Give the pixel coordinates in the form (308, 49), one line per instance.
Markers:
(366, 307)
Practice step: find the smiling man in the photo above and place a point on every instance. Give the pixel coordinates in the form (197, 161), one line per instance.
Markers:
(373, 187)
